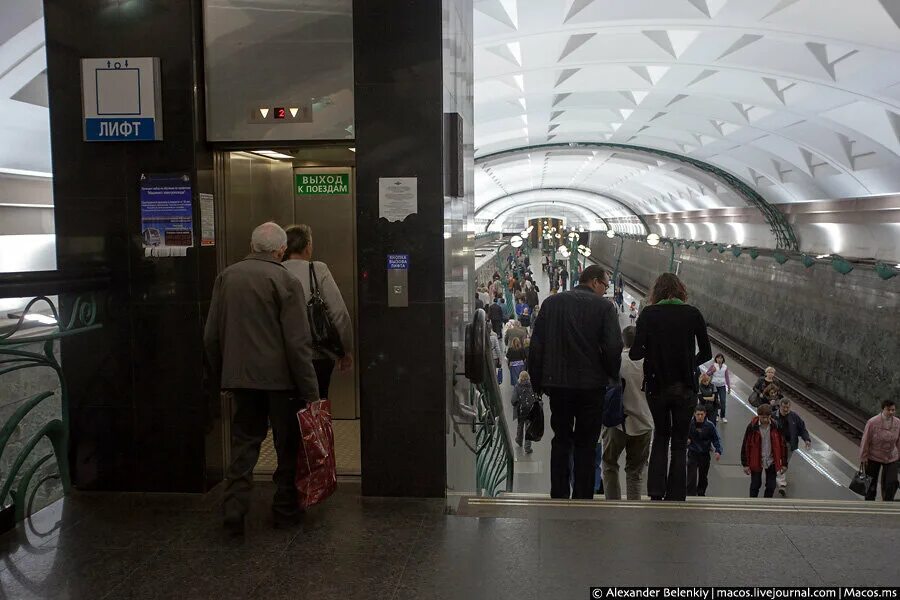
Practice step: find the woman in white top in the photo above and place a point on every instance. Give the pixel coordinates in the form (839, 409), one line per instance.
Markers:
(718, 371)
(297, 260)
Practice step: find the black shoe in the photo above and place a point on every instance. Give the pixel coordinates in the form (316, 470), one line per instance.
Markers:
(782, 492)
(234, 525)
(656, 498)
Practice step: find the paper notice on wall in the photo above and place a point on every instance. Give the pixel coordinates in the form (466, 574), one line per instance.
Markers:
(398, 197)
(207, 220)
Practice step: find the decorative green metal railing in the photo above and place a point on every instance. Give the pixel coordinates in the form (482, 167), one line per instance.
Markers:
(494, 463)
(18, 353)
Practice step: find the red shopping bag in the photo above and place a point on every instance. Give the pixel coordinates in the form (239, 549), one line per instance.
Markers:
(316, 475)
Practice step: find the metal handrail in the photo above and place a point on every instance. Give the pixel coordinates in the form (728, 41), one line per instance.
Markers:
(494, 463)
(15, 356)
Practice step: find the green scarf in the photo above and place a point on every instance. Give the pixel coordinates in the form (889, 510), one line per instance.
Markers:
(671, 301)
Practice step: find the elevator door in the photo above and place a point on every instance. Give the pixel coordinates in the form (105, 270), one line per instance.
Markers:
(332, 217)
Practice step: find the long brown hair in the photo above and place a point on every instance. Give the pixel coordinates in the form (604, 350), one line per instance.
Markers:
(516, 344)
(668, 286)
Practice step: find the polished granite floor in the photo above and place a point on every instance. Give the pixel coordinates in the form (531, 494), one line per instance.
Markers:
(121, 546)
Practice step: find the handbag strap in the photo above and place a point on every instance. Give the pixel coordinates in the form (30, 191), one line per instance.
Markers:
(313, 280)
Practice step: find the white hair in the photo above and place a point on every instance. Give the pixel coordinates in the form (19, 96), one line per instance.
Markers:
(268, 237)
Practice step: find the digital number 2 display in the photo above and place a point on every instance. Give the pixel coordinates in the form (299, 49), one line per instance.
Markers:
(280, 112)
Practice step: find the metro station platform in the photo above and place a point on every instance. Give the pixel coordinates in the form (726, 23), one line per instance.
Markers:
(120, 546)
(820, 473)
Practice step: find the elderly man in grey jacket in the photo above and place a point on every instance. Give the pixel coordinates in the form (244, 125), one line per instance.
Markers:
(258, 342)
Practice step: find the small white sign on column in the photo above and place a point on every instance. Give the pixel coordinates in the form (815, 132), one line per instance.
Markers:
(398, 197)
(121, 99)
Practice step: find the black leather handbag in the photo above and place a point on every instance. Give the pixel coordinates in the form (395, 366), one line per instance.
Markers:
(860, 483)
(325, 336)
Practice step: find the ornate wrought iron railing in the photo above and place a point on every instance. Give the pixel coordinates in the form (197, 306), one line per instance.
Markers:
(29, 342)
(494, 463)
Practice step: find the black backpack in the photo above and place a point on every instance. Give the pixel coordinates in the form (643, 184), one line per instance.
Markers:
(535, 430)
(614, 405)
(325, 336)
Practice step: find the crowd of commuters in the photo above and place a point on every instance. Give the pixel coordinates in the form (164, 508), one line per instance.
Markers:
(642, 391)
(673, 394)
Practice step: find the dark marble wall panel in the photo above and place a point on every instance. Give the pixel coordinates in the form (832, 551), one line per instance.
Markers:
(839, 331)
(140, 409)
(398, 68)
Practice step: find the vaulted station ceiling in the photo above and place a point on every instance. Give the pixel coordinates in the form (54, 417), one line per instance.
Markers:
(797, 100)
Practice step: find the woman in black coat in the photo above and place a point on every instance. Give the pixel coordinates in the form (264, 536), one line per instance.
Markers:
(668, 331)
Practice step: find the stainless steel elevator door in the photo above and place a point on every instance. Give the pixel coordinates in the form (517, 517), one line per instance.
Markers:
(332, 218)
(256, 189)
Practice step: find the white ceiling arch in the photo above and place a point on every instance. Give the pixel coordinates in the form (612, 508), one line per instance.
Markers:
(24, 119)
(621, 183)
(600, 205)
(798, 99)
(512, 216)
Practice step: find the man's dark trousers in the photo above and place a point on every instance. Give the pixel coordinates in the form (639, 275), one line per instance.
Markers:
(575, 417)
(697, 473)
(756, 482)
(672, 412)
(254, 410)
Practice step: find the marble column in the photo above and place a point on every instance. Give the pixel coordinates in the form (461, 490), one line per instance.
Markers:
(141, 417)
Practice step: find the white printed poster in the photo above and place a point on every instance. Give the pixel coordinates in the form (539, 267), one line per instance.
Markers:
(398, 197)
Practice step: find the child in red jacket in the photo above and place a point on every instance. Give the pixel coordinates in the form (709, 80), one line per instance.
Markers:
(763, 449)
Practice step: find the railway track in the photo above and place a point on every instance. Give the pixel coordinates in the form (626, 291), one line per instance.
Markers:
(804, 393)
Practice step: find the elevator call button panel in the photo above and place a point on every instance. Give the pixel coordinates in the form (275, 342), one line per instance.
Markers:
(398, 280)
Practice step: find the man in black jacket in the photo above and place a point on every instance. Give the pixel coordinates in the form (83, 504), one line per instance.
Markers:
(575, 350)
(495, 314)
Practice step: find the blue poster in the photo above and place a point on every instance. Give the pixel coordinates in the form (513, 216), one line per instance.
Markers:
(167, 213)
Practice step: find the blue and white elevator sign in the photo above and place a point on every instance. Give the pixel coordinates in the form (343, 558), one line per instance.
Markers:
(121, 99)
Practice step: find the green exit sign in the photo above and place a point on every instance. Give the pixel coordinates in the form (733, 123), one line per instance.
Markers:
(319, 184)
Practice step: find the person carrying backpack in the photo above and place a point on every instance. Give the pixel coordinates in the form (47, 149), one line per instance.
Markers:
(708, 398)
(523, 400)
(633, 436)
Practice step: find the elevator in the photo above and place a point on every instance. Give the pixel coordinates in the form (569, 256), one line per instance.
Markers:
(312, 185)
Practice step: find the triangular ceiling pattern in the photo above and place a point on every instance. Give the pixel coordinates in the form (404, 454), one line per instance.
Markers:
(798, 98)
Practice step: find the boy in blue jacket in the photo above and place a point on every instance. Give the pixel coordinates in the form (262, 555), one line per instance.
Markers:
(703, 436)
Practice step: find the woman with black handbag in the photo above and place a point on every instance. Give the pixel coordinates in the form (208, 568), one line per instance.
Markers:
(330, 323)
(879, 451)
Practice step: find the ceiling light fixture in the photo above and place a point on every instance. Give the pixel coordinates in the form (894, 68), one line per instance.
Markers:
(273, 154)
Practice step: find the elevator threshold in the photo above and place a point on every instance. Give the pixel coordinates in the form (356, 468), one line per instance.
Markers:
(346, 451)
